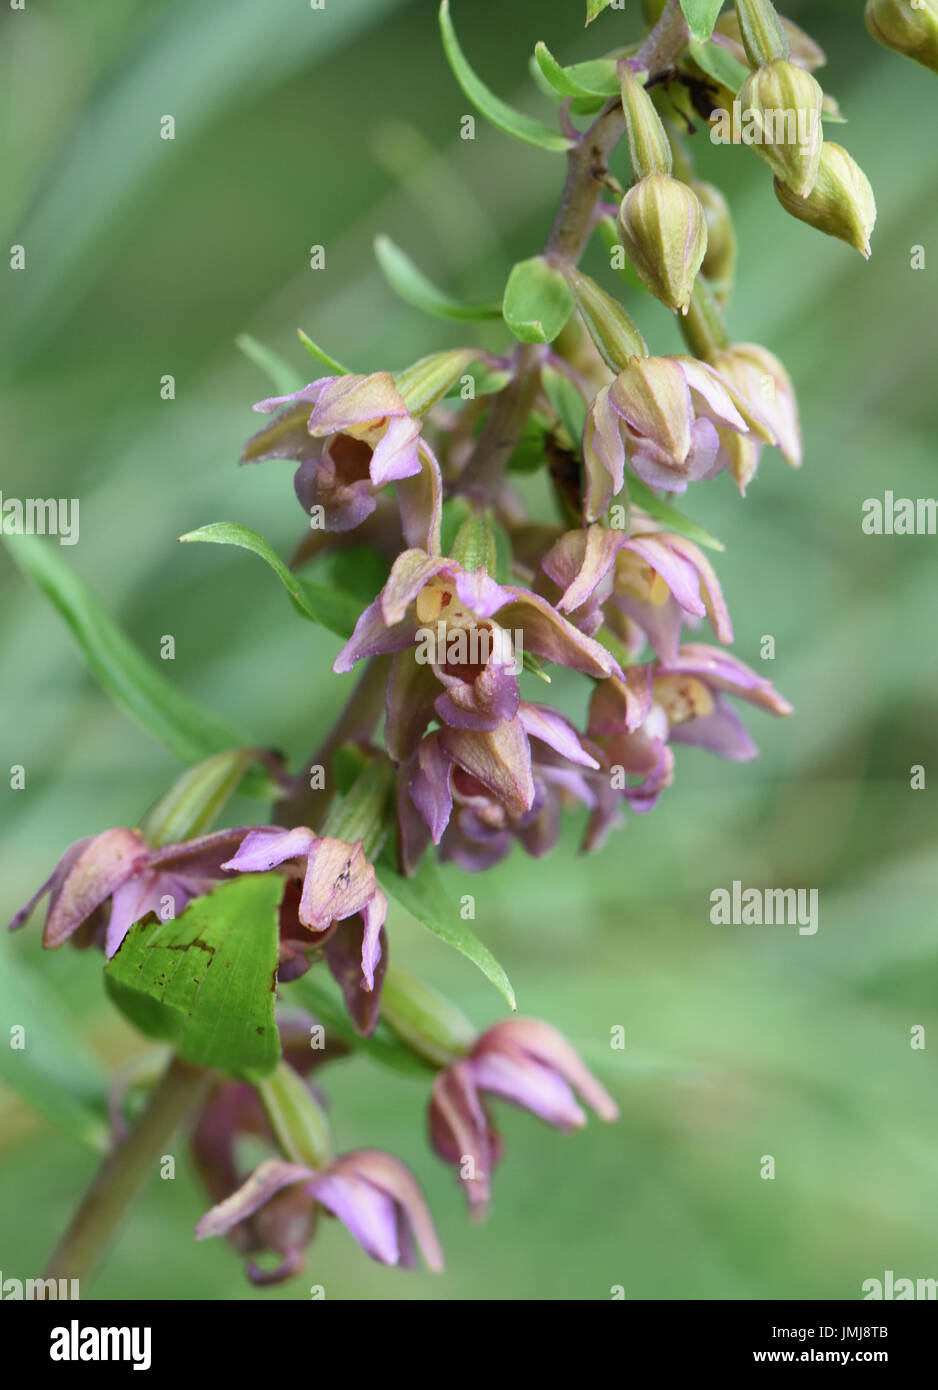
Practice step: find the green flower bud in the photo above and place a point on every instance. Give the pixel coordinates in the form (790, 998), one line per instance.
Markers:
(427, 1022)
(295, 1116)
(908, 26)
(780, 108)
(649, 147)
(612, 331)
(761, 31)
(841, 203)
(719, 264)
(664, 232)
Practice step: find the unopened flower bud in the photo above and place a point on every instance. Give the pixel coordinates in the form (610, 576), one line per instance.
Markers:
(664, 232)
(719, 263)
(781, 113)
(802, 49)
(649, 147)
(841, 203)
(908, 26)
(761, 31)
(612, 331)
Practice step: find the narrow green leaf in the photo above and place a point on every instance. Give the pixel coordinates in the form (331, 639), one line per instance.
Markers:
(205, 981)
(598, 78)
(701, 16)
(669, 516)
(414, 288)
(318, 602)
(567, 402)
(538, 301)
(719, 64)
(283, 377)
(501, 115)
(52, 1071)
(139, 688)
(322, 356)
(424, 898)
(320, 995)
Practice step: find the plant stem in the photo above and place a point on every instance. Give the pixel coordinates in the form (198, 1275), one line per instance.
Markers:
(124, 1172)
(586, 172)
(306, 805)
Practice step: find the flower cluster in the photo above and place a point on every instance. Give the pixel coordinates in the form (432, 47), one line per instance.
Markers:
(483, 595)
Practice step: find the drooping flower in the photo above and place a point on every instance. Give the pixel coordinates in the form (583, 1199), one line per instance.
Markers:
(374, 1195)
(462, 634)
(659, 579)
(521, 1060)
(352, 435)
(103, 885)
(340, 906)
(663, 414)
(676, 701)
(762, 382)
(474, 794)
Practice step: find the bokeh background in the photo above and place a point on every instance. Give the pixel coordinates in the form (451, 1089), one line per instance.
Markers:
(148, 257)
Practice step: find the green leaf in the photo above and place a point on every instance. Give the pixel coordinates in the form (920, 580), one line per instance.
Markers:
(701, 16)
(283, 377)
(592, 79)
(567, 402)
(414, 288)
(320, 603)
(505, 117)
(206, 981)
(195, 800)
(719, 64)
(52, 1072)
(594, 8)
(322, 356)
(320, 995)
(424, 898)
(139, 688)
(669, 516)
(538, 301)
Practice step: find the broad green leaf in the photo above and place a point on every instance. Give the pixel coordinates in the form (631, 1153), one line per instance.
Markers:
(320, 603)
(283, 377)
(538, 301)
(719, 64)
(669, 516)
(139, 688)
(598, 78)
(321, 355)
(424, 898)
(505, 117)
(701, 16)
(52, 1071)
(206, 980)
(594, 8)
(319, 993)
(414, 287)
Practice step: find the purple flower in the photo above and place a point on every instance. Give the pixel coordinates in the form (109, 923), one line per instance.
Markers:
(374, 1195)
(678, 701)
(521, 1060)
(658, 579)
(763, 383)
(352, 435)
(665, 415)
(339, 903)
(473, 792)
(105, 884)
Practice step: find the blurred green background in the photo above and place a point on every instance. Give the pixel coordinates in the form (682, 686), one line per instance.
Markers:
(147, 257)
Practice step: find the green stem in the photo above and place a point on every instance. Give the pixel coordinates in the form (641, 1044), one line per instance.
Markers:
(124, 1172)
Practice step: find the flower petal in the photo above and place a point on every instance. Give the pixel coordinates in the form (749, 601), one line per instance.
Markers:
(272, 1175)
(265, 849)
